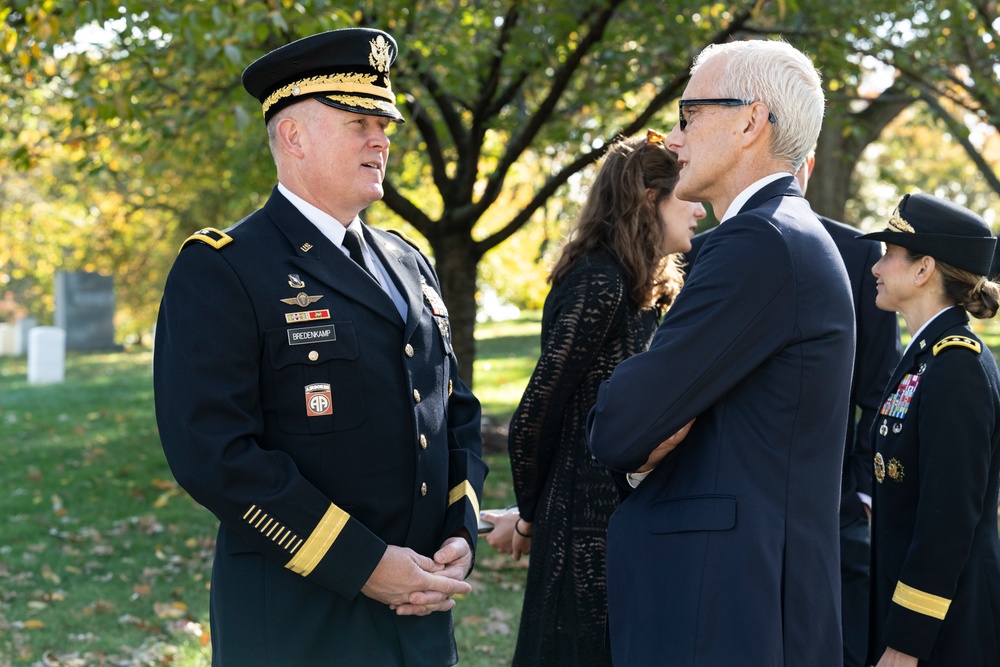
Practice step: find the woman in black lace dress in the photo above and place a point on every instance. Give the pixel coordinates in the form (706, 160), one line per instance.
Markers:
(614, 278)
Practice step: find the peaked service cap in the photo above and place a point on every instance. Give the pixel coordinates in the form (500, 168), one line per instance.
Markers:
(346, 69)
(946, 231)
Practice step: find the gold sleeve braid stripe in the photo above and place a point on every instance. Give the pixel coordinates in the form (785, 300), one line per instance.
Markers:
(319, 541)
(464, 490)
(273, 529)
(920, 602)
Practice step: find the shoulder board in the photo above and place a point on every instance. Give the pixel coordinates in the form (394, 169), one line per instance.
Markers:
(957, 341)
(209, 236)
(405, 238)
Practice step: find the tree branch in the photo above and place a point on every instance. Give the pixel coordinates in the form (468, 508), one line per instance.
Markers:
(522, 140)
(961, 133)
(668, 92)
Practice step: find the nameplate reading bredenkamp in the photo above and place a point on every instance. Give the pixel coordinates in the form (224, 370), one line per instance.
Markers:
(307, 335)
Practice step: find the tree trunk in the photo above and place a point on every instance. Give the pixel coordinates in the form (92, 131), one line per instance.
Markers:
(456, 258)
(845, 136)
(830, 184)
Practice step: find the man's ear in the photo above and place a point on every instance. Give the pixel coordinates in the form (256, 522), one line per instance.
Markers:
(289, 132)
(756, 123)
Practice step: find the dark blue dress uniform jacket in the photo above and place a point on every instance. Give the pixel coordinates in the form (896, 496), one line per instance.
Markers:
(295, 403)
(935, 548)
(727, 553)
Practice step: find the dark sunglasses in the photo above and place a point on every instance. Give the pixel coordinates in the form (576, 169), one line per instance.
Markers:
(714, 101)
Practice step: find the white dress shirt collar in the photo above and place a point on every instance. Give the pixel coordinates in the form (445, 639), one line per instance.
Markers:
(919, 331)
(331, 228)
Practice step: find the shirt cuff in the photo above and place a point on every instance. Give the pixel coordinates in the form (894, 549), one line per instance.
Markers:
(635, 478)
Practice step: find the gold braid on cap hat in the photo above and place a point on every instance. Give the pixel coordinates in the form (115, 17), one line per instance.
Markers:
(332, 83)
(900, 225)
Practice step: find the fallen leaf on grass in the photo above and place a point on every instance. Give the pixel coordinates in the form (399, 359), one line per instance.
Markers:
(495, 623)
(49, 575)
(98, 607)
(165, 610)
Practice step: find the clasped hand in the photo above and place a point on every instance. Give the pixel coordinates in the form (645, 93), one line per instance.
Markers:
(415, 585)
(665, 448)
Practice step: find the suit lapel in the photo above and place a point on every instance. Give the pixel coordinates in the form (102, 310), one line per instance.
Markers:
(318, 257)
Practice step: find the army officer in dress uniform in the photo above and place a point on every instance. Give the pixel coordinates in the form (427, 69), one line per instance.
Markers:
(935, 550)
(307, 392)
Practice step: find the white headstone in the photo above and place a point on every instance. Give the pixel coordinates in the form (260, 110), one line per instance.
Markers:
(46, 355)
(23, 326)
(8, 340)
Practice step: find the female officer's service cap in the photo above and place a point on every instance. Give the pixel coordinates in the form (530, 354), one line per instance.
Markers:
(347, 69)
(947, 232)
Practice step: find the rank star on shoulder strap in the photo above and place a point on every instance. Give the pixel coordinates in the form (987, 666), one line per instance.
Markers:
(209, 236)
(957, 341)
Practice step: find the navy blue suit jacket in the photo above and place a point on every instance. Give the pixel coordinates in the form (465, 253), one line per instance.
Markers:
(876, 355)
(317, 433)
(727, 554)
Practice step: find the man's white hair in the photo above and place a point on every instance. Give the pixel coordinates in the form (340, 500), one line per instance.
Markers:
(785, 80)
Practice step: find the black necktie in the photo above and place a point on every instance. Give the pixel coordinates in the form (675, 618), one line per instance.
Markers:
(352, 241)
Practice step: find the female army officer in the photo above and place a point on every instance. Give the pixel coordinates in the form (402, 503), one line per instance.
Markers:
(935, 547)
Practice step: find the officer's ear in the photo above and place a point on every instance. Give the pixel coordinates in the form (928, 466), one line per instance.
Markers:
(926, 267)
(289, 132)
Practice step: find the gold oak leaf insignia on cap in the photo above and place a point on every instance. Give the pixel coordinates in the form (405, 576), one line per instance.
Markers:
(900, 225)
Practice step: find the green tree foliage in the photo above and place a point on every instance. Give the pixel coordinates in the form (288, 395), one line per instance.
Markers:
(508, 104)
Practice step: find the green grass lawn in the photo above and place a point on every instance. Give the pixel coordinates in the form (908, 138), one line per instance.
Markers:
(104, 560)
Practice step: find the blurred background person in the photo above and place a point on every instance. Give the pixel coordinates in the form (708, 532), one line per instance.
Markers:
(876, 353)
(613, 280)
(935, 547)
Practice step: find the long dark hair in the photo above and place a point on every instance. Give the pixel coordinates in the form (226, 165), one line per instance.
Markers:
(619, 217)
